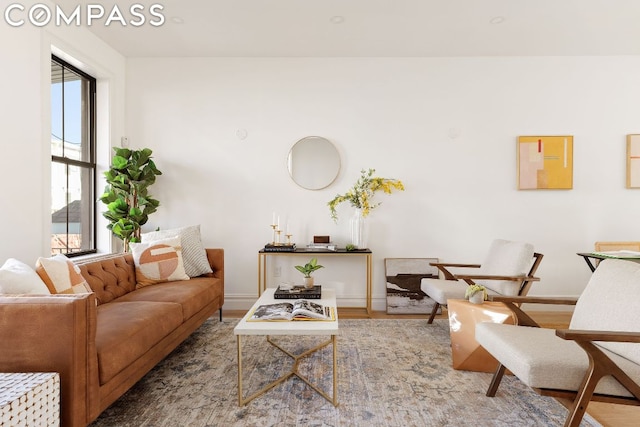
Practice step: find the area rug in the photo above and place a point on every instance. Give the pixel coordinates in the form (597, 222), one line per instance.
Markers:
(390, 373)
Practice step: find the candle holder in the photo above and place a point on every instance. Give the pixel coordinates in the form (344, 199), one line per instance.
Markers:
(277, 243)
(274, 226)
(288, 236)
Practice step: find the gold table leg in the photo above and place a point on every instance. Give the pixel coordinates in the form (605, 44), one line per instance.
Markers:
(335, 370)
(293, 372)
(239, 344)
(369, 283)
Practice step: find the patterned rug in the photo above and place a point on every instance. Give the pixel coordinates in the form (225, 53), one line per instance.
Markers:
(390, 373)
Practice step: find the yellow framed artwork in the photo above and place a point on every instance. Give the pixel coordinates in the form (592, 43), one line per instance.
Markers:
(633, 161)
(545, 162)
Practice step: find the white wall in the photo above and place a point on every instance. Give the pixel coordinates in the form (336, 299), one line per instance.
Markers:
(23, 173)
(25, 123)
(446, 127)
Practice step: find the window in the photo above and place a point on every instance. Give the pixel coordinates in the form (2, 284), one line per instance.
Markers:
(73, 164)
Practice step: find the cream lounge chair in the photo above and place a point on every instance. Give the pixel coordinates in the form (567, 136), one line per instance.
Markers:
(508, 269)
(597, 358)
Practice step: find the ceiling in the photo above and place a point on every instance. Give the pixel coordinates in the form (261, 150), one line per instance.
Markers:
(375, 28)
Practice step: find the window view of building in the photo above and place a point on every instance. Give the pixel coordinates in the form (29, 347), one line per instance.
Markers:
(72, 159)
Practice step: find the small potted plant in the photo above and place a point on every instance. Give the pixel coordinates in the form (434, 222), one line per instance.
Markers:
(476, 294)
(307, 269)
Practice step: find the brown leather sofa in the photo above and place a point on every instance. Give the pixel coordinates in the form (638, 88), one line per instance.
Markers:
(102, 343)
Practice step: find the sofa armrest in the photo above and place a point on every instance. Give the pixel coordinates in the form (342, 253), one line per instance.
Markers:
(54, 333)
(216, 261)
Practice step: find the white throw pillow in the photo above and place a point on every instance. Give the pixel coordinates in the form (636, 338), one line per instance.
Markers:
(16, 277)
(193, 252)
(158, 261)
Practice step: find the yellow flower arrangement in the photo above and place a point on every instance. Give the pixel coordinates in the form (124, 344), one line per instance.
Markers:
(361, 195)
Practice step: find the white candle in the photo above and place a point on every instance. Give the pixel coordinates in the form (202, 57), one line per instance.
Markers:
(273, 219)
(278, 223)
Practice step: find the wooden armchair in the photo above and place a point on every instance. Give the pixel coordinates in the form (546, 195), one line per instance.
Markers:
(597, 358)
(509, 269)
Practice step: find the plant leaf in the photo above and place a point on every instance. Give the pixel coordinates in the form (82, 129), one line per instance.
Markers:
(119, 162)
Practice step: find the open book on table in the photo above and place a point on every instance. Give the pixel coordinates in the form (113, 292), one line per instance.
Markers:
(300, 309)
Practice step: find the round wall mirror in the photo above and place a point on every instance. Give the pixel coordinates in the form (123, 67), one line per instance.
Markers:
(313, 163)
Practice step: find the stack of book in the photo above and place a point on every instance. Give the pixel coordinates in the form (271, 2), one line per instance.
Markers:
(280, 248)
(321, 247)
(297, 292)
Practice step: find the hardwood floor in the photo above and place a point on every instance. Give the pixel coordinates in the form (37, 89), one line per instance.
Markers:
(609, 415)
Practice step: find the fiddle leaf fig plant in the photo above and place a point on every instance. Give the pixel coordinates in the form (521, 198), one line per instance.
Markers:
(126, 195)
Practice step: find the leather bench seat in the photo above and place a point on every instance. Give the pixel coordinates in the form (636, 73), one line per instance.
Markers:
(193, 295)
(127, 330)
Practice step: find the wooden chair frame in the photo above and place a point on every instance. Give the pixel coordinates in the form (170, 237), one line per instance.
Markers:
(600, 365)
(525, 285)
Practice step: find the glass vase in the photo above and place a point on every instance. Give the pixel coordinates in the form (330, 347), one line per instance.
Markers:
(358, 230)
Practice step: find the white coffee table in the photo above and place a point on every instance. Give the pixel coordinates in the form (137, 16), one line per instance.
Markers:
(295, 327)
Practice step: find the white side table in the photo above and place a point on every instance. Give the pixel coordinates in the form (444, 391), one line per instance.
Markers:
(30, 399)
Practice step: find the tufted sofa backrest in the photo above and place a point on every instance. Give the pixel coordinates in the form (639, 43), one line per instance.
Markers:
(110, 277)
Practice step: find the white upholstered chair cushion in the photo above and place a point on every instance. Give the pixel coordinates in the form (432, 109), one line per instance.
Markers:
(610, 303)
(541, 359)
(506, 258)
(441, 290)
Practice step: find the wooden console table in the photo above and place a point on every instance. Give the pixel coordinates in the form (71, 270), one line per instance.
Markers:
(263, 255)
